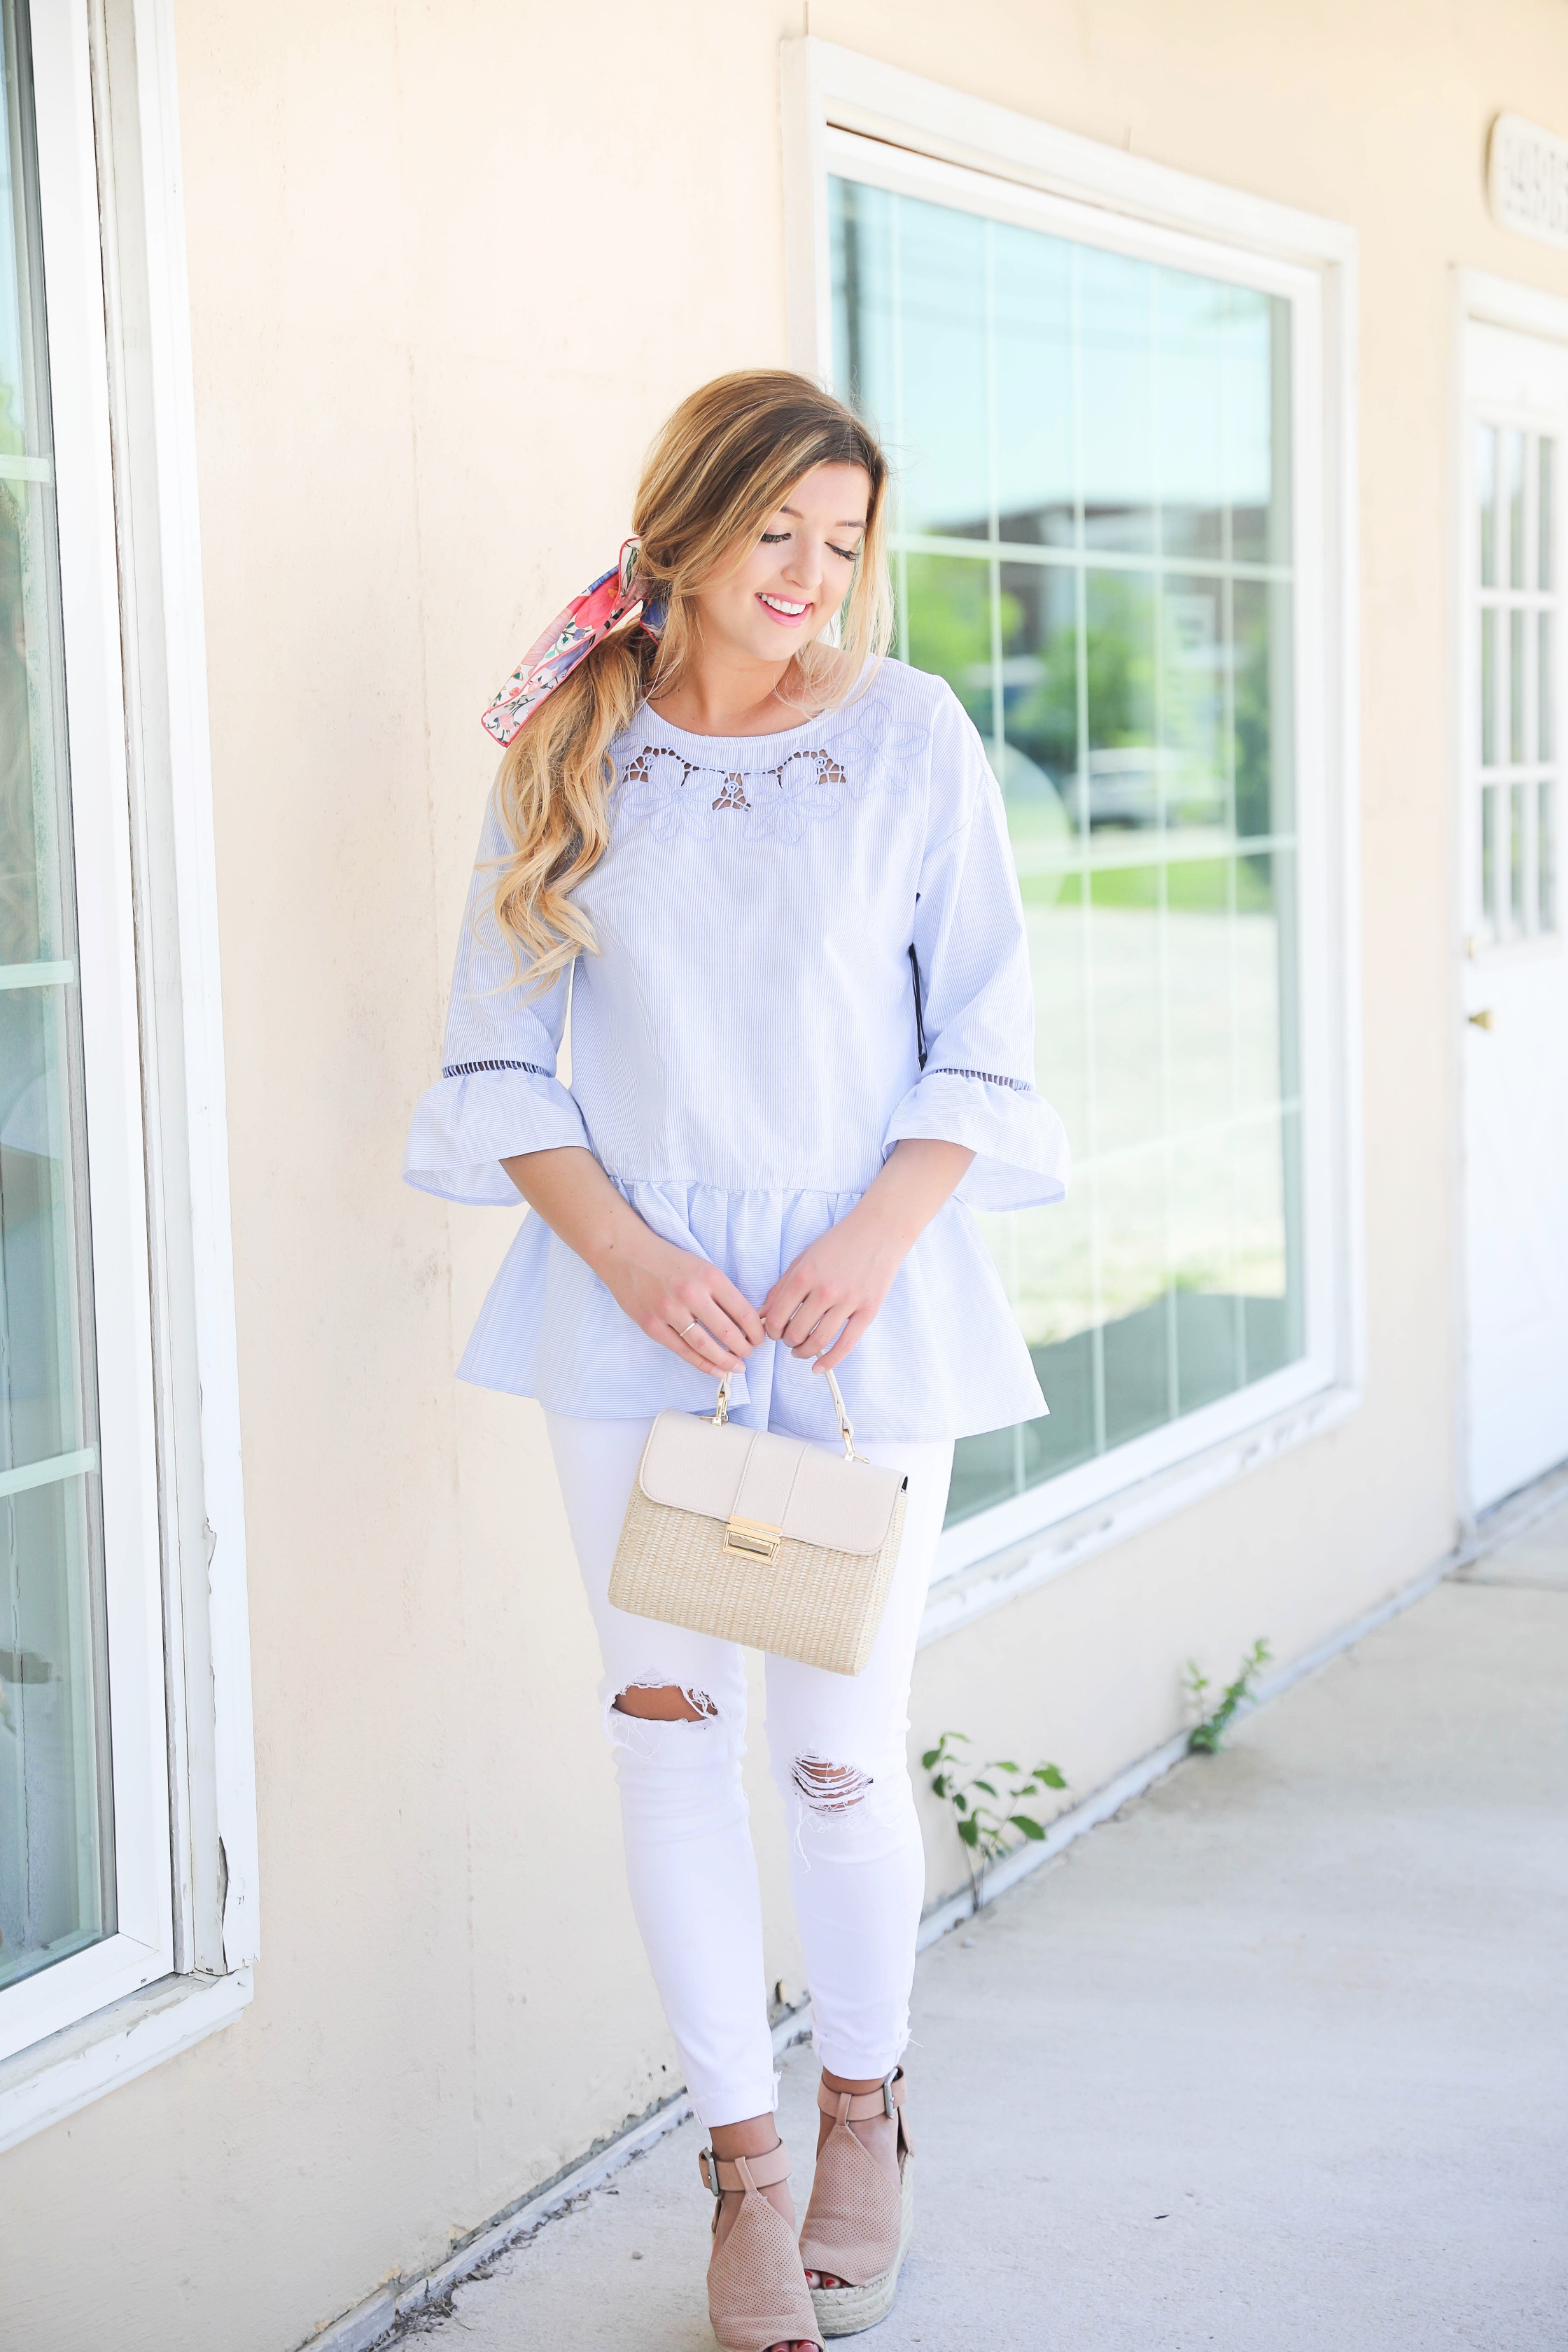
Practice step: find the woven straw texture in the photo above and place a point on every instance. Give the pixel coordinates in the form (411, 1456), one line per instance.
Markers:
(820, 1606)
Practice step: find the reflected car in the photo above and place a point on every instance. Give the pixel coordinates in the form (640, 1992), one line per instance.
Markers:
(1126, 786)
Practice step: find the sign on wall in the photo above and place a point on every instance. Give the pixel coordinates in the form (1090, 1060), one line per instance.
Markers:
(1526, 179)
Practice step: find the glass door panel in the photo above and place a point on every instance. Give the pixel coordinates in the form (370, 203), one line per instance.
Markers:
(57, 1872)
(1517, 784)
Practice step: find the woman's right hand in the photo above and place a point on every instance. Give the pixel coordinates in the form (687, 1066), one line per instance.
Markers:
(687, 1305)
(679, 1300)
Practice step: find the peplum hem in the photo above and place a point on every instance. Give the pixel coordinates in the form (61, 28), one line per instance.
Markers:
(465, 1126)
(1020, 1146)
(943, 1359)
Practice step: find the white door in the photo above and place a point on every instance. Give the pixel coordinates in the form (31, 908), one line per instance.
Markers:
(1515, 994)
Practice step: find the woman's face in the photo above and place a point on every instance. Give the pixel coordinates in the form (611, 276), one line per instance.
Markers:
(791, 579)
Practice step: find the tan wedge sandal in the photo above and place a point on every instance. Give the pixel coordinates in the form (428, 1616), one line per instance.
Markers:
(757, 2293)
(860, 2221)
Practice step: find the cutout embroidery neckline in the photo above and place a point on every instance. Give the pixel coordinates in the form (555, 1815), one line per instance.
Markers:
(811, 784)
(677, 796)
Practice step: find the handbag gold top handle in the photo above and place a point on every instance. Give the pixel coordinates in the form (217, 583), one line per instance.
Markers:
(845, 1430)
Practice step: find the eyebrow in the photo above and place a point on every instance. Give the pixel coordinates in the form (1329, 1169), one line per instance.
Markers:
(848, 522)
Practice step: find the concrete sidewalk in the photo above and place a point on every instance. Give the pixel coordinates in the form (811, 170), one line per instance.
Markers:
(1274, 2062)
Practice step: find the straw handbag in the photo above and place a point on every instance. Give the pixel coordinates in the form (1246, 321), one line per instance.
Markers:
(769, 1540)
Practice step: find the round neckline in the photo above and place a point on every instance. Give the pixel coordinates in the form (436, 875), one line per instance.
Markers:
(710, 744)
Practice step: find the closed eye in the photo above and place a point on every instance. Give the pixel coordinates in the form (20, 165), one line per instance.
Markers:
(846, 554)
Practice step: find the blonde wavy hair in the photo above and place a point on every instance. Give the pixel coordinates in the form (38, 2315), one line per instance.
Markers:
(720, 467)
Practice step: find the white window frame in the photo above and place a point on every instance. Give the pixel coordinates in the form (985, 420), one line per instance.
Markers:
(855, 116)
(183, 1796)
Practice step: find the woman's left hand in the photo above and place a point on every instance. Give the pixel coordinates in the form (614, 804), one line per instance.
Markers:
(825, 1302)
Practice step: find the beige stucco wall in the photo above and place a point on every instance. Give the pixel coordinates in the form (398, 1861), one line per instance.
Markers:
(449, 267)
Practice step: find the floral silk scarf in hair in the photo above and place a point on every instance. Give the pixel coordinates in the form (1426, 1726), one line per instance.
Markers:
(615, 597)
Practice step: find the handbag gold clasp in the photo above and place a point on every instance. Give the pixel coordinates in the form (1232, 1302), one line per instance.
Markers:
(751, 1539)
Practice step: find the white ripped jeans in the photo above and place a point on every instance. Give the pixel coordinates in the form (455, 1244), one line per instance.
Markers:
(836, 1743)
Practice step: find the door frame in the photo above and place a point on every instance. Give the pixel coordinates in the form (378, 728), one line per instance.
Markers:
(1480, 299)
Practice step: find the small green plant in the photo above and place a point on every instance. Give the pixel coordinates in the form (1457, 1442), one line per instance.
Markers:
(1205, 1737)
(984, 1828)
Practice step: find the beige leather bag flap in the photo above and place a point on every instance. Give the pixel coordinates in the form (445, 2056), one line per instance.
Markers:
(800, 1489)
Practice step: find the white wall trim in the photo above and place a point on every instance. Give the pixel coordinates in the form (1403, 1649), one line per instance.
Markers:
(970, 1593)
(923, 128)
(1505, 303)
(54, 2079)
(178, 919)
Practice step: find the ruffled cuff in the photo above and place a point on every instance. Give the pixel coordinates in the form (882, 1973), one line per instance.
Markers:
(1020, 1146)
(463, 1128)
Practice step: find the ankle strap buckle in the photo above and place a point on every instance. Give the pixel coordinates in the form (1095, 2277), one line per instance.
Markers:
(708, 2166)
(887, 2107)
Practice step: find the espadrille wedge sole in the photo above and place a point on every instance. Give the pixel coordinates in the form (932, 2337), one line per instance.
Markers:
(861, 2216)
(757, 2293)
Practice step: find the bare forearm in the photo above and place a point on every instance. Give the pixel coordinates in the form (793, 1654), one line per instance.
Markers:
(916, 1178)
(577, 1201)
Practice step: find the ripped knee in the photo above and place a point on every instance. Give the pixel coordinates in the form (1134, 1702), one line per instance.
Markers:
(664, 1703)
(829, 1788)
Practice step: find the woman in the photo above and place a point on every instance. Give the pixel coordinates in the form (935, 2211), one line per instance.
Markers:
(775, 875)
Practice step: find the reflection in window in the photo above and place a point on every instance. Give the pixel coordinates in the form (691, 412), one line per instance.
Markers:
(55, 1843)
(1094, 548)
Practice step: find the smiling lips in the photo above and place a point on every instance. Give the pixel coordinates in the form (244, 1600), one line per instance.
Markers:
(784, 607)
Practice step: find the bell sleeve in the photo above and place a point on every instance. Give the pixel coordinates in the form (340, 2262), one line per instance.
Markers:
(499, 1096)
(977, 1086)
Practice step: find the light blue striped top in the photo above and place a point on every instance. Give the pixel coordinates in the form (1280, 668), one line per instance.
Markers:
(743, 1057)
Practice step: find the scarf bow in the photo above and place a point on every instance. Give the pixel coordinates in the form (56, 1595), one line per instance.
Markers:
(572, 636)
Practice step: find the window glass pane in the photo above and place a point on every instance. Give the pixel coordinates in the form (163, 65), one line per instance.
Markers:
(948, 627)
(1546, 854)
(1130, 665)
(1125, 963)
(1036, 469)
(1516, 893)
(1208, 1335)
(1489, 797)
(1258, 425)
(1116, 374)
(1545, 520)
(1261, 661)
(1516, 698)
(1489, 688)
(55, 1851)
(1190, 411)
(1545, 729)
(1039, 679)
(941, 432)
(865, 305)
(1513, 493)
(1486, 496)
(1137, 1322)
(1123, 783)
(1194, 667)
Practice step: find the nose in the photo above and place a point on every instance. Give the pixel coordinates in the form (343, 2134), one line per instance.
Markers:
(804, 568)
